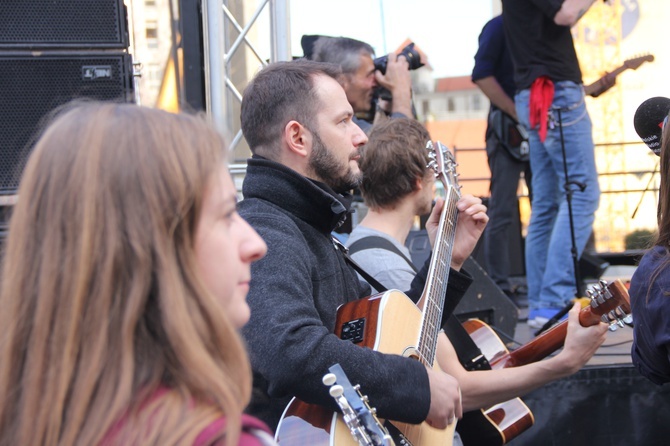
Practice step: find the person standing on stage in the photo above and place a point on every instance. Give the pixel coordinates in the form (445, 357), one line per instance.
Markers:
(506, 149)
(548, 79)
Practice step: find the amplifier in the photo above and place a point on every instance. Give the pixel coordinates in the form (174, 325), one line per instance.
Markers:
(33, 85)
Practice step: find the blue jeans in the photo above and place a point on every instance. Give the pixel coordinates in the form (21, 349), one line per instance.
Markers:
(549, 263)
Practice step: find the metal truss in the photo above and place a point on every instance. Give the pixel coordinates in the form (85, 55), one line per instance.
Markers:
(226, 39)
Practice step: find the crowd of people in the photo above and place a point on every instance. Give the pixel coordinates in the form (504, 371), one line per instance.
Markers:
(143, 304)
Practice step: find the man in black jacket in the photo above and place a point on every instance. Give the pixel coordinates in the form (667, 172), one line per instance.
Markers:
(298, 123)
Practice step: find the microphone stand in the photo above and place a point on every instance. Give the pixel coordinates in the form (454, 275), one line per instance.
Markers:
(647, 188)
(579, 285)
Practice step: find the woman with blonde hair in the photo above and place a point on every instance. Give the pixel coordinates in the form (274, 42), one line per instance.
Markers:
(123, 287)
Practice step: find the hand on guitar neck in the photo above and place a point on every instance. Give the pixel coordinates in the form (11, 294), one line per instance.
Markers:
(472, 220)
(580, 344)
(609, 79)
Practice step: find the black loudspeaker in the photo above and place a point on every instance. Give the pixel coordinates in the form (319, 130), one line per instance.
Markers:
(33, 85)
(484, 299)
(516, 254)
(591, 266)
(83, 24)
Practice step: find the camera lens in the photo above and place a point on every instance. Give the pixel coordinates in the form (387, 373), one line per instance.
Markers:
(413, 59)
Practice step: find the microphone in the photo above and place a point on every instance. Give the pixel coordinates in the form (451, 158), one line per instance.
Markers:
(648, 121)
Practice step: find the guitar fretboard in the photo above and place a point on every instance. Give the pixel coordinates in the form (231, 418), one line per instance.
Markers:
(438, 277)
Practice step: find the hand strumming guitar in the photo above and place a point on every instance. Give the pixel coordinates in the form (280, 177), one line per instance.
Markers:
(601, 85)
(609, 79)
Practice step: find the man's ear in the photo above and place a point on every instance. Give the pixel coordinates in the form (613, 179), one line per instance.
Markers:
(418, 184)
(298, 139)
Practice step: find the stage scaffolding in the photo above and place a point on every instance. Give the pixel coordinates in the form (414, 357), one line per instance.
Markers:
(232, 54)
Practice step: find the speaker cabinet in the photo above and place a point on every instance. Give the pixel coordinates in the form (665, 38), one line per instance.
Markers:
(83, 24)
(33, 85)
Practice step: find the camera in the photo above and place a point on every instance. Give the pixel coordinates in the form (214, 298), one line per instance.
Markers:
(413, 58)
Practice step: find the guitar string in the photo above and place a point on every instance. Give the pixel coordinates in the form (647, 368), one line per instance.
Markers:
(437, 282)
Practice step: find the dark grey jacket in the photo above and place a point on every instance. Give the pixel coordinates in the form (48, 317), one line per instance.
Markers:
(294, 295)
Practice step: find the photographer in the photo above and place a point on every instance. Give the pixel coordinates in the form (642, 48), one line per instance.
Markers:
(362, 75)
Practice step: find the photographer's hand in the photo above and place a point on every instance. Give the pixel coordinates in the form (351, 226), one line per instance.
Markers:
(398, 81)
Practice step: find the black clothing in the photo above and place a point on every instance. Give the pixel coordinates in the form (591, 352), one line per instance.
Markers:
(294, 295)
(539, 47)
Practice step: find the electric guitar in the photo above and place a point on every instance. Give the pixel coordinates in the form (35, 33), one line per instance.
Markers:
(498, 424)
(630, 64)
(633, 64)
(392, 323)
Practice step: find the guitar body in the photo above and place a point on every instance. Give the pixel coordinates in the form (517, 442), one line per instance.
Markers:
(391, 325)
(500, 423)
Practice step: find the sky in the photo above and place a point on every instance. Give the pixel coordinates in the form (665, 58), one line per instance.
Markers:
(446, 30)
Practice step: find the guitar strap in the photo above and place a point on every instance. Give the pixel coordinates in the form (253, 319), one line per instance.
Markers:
(376, 242)
(469, 355)
(359, 269)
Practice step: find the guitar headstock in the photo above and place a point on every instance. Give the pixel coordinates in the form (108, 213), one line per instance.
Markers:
(444, 164)
(611, 302)
(361, 419)
(635, 62)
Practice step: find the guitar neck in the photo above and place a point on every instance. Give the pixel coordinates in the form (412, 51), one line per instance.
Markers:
(545, 344)
(438, 277)
(618, 71)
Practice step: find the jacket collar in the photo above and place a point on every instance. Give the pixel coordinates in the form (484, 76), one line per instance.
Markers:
(311, 201)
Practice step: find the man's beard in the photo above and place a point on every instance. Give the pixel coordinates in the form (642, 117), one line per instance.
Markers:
(326, 167)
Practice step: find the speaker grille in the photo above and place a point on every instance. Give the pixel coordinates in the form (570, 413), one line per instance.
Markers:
(63, 23)
(33, 86)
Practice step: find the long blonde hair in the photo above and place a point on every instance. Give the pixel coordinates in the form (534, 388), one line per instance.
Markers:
(102, 305)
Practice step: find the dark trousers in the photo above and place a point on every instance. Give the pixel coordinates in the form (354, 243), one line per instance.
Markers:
(502, 209)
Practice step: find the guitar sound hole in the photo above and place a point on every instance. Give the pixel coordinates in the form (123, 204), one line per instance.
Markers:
(353, 330)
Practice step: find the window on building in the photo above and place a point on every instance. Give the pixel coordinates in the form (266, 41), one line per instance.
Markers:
(451, 106)
(149, 2)
(151, 30)
(476, 102)
(154, 73)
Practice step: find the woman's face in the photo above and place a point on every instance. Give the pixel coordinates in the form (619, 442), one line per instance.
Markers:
(225, 246)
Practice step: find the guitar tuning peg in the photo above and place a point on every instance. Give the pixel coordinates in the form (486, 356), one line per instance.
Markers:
(336, 391)
(329, 379)
(364, 398)
(357, 387)
(613, 328)
(373, 410)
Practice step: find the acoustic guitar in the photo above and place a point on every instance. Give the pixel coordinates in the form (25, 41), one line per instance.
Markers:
(498, 424)
(392, 323)
(360, 418)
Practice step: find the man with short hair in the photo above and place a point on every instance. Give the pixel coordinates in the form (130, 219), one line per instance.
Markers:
(360, 79)
(298, 123)
(397, 185)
